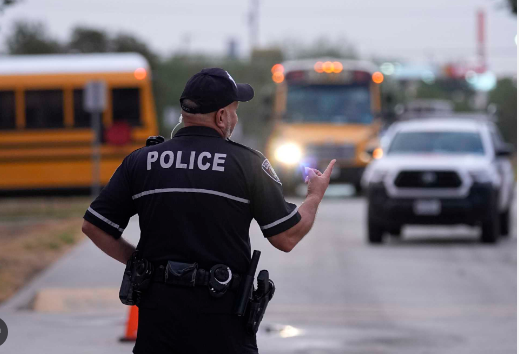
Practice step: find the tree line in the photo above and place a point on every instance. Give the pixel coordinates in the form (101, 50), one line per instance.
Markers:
(170, 74)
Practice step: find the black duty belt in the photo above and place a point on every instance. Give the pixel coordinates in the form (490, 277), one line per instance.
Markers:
(201, 277)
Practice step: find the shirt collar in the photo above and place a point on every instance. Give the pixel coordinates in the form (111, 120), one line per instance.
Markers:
(198, 130)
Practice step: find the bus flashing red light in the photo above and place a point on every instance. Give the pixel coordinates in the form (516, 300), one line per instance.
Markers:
(278, 77)
(140, 73)
(377, 77)
(328, 67)
(277, 68)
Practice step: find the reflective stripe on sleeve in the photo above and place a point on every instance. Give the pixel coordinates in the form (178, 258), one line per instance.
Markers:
(111, 223)
(277, 222)
(191, 190)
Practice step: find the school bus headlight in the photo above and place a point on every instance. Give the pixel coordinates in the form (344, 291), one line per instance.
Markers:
(288, 153)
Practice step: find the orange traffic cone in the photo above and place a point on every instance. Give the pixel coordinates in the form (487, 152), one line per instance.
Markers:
(131, 325)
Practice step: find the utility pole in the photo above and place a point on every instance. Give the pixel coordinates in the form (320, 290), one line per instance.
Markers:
(253, 24)
(94, 102)
(482, 57)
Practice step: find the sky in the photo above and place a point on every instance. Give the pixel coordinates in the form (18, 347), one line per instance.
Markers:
(414, 31)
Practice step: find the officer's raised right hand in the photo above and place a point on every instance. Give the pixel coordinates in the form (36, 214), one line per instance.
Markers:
(317, 181)
(317, 184)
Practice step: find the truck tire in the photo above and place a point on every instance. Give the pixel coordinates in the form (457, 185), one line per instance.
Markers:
(490, 227)
(375, 232)
(359, 191)
(504, 223)
(395, 232)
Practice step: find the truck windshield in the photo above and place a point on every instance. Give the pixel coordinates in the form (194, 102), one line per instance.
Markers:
(328, 104)
(437, 142)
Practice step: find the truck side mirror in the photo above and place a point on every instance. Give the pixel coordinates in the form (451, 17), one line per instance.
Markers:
(504, 151)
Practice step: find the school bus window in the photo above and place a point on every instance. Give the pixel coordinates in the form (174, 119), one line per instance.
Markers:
(126, 105)
(7, 110)
(81, 117)
(44, 109)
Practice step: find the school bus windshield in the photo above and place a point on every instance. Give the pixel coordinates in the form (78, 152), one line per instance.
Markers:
(343, 104)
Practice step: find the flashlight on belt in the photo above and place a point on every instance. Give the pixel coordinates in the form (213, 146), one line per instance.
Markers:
(246, 286)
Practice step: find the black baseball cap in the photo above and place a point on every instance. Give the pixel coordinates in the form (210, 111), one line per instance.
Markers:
(212, 89)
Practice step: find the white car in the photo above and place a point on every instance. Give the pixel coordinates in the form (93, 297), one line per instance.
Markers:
(440, 171)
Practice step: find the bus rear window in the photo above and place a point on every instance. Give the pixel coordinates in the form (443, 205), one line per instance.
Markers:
(81, 117)
(44, 109)
(7, 110)
(126, 105)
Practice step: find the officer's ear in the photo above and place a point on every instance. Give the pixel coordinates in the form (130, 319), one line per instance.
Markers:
(220, 118)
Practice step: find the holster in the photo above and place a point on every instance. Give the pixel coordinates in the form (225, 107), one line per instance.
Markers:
(259, 302)
(136, 279)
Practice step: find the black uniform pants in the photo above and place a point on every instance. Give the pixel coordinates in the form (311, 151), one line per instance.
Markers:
(176, 320)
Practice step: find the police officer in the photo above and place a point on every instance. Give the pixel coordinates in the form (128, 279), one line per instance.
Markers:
(196, 196)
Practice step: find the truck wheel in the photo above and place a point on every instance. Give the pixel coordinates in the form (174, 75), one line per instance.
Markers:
(375, 233)
(490, 228)
(395, 231)
(504, 223)
(358, 189)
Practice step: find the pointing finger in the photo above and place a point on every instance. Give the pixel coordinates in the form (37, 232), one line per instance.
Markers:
(328, 171)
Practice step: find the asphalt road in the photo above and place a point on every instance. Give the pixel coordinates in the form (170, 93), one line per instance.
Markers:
(436, 290)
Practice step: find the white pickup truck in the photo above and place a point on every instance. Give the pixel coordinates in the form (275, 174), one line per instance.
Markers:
(440, 171)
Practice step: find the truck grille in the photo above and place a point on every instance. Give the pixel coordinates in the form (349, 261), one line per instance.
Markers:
(427, 179)
(330, 151)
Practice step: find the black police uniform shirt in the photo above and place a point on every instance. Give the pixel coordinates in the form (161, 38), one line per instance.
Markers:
(196, 196)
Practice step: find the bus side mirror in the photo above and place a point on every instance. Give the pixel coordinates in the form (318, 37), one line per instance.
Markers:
(266, 101)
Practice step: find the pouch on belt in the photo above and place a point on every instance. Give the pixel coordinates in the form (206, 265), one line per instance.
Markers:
(182, 274)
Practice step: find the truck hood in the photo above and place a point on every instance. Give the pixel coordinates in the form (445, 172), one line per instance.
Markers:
(325, 133)
(431, 162)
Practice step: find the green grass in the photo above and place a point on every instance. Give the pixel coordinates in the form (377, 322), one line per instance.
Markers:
(35, 209)
(52, 241)
(67, 238)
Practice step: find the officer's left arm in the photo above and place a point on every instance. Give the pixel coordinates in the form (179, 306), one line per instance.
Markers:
(109, 214)
(119, 249)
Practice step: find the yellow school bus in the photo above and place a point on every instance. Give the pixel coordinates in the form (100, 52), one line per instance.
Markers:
(45, 134)
(324, 109)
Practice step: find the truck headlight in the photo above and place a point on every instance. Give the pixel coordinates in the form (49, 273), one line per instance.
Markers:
(378, 175)
(289, 154)
(485, 176)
